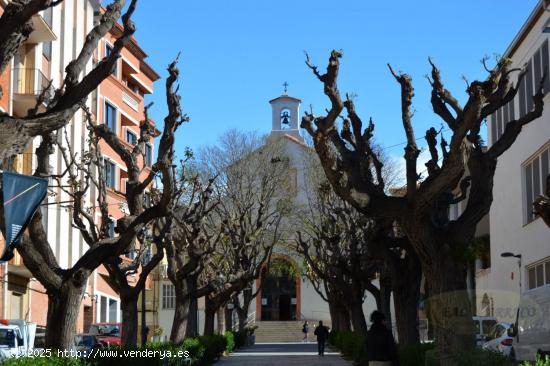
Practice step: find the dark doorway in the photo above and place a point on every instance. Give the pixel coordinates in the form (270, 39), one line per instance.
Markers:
(284, 307)
(278, 294)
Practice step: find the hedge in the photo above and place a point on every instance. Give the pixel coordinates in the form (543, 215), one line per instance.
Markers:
(354, 347)
(203, 351)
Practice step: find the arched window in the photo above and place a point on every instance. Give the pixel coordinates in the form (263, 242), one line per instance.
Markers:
(285, 119)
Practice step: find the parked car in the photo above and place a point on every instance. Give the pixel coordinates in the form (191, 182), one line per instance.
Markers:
(498, 339)
(483, 324)
(531, 332)
(108, 333)
(87, 342)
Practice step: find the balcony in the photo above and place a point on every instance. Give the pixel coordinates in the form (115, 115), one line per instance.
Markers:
(42, 31)
(28, 84)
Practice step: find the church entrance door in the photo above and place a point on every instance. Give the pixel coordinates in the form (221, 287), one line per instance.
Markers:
(278, 294)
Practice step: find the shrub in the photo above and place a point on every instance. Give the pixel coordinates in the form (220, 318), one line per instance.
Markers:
(415, 354)
(431, 358)
(214, 346)
(352, 346)
(202, 351)
(230, 339)
(42, 361)
(539, 362)
(481, 357)
(240, 339)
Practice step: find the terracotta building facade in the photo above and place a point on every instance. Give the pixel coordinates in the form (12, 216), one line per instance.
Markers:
(119, 103)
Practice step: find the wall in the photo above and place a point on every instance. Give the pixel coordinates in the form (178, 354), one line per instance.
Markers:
(508, 232)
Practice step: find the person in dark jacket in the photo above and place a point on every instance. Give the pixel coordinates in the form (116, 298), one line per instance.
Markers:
(381, 347)
(322, 334)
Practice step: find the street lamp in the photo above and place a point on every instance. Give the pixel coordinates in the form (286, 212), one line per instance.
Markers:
(518, 256)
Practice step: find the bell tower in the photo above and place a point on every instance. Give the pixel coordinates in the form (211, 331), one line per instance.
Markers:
(285, 114)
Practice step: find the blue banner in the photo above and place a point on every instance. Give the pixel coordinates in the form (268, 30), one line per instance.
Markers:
(22, 196)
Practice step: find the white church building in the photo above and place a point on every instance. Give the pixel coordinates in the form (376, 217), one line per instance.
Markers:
(281, 300)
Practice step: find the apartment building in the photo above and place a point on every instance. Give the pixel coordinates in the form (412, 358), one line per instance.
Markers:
(118, 102)
(520, 177)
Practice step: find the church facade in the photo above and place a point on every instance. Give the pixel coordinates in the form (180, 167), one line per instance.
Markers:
(287, 295)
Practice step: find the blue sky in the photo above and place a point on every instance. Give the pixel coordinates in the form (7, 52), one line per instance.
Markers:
(236, 55)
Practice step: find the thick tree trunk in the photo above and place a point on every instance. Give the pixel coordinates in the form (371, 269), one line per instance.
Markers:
(406, 297)
(209, 317)
(358, 320)
(220, 320)
(242, 314)
(129, 318)
(228, 319)
(385, 299)
(339, 316)
(192, 326)
(449, 304)
(181, 316)
(63, 309)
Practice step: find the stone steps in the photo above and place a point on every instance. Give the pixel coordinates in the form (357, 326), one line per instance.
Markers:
(281, 331)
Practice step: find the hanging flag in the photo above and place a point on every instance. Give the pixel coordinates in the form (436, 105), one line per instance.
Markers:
(22, 196)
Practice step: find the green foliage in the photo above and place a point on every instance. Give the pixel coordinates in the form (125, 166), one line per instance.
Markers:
(240, 339)
(472, 357)
(282, 268)
(481, 357)
(230, 339)
(43, 361)
(539, 362)
(352, 346)
(480, 249)
(203, 351)
(415, 354)
(431, 358)
(214, 347)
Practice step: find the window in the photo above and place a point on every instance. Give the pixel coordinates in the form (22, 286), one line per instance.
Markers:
(539, 274)
(108, 52)
(500, 119)
(131, 137)
(148, 155)
(535, 68)
(47, 46)
(112, 226)
(108, 312)
(110, 173)
(168, 296)
(534, 175)
(109, 118)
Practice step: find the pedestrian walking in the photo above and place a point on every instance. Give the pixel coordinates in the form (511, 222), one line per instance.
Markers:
(305, 330)
(322, 334)
(381, 347)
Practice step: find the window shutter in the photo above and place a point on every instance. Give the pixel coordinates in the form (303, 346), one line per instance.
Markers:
(537, 68)
(545, 60)
(522, 106)
(536, 178)
(493, 122)
(499, 123)
(529, 86)
(511, 111)
(545, 167)
(505, 118)
(528, 193)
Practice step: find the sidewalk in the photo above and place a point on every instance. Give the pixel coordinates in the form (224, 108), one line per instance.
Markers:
(287, 354)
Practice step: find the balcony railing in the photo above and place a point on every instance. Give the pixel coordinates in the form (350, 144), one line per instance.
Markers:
(31, 82)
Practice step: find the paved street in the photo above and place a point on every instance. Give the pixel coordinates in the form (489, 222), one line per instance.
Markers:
(287, 354)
